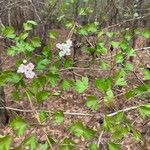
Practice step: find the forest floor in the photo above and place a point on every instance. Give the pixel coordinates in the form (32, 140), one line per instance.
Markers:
(70, 101)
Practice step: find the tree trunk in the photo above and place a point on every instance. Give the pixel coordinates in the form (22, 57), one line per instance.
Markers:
(4, 118)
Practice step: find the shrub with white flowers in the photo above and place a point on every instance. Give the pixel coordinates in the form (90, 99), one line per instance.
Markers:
(64, 48)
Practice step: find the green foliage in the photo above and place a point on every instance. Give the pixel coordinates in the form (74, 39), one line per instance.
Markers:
(5, 142)
(92, 102)
(78, 129)
(104, 65)
(145, 110)
(117, 125)
(92, 147)
(120, 78)
(114, 146)
(67, 144)
(9, 32)
(66, 84)
(146, 74)
(42, 96)
(138, 91)
(31, 142)
(43, 116)
(19, 125)
(81, 85)
(51, 80)
(103, 84)
(58, 117)
(29, 25)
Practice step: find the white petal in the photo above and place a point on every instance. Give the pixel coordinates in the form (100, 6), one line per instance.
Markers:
(21, 68)
(59, 46)
(30, 74)
(24, 61)
(69, 42)
(30, 66)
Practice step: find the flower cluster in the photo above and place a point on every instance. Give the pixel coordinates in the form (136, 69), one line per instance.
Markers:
(64, 48)
(27, 70)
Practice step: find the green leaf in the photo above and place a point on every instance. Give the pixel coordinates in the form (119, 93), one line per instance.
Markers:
(67, 145)
(16, 95)
(146, 33)
(100, 48)
(77, 129)
(128, 67)
(92, 102)
(146, 74)
(6, 77)
(68, 63)
(114, 146)
(109, 34)
(92, 28)
(58, 117)
(115, 44)
(29, 47)
(44, 146)
(137, 135)
(29, 25)
(118, 132)
(66, 84)
(104, 65)
(88, 133)
(119, 58)
(103, 84)
(36, 42)
(128, 36)
(144, 110)
(19, 125)
(120, 78)
(41, 63)
(5, 142)
(9, 32)
(52, 78)
(46, 51)
(42, 96)
(138, 91)
(108, 99)
(53, 34)
(130, 52)
(93, 147)
(43, 116)
(23, 35)
(31, 142)
(81, 85)
(11, 51)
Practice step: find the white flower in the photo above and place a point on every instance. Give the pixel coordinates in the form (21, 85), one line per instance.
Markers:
(64, 48)
(21, 68)
(27, 70)
(24, 61)
(30, 66)
(69, 42)
(29, 74)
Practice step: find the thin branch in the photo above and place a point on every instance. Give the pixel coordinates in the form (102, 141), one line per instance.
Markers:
(71, 113)
(99, 139)
(125, 21)
(48, 111)
(123, 110)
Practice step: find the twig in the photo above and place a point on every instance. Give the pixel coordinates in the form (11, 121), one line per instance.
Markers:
(125, 21)
(48, 111)
(99, 139)
(123, 110)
